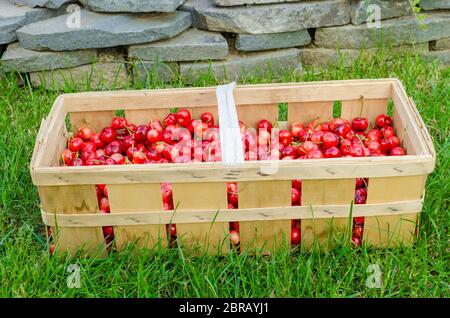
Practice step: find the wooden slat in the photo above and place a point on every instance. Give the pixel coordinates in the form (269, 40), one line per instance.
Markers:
(368, 108)
(247, 113)
(144, 116)
(310, 111)
(264, 236)
(249, 171)
(69, 200)
(248, 214)
(212, 236)
(137, 198)
(244, 95)
(96, 120)
(320, 232)
(61, 144)
(383, 231)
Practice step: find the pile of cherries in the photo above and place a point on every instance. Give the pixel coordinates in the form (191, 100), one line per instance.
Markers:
(181, 139)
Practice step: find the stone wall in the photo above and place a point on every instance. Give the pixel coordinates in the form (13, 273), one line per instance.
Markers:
(109, 42)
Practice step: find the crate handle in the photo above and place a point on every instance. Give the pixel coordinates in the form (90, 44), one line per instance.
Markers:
(230, 134)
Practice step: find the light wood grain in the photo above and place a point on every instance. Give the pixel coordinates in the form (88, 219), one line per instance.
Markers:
(368, 108)
(393, 230)
(95, 120)
(310, 111)
(321, 233)
(135, 198)
(252, 114)
(79, 200)
(248, 214)
(265, 236)
(214, 236)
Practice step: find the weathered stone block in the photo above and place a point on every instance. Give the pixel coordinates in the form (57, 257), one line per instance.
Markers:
(393, 31)
(260, 42)
(271, 18)
(443, 56)
(99, 30)
(228, 3)
(51, 4)
(132, 5)
(388, 9)
(321, 57)
(12, 17)
(22, 60)
(238, 66)
(435, 4)
(442, 44)
(191, 45)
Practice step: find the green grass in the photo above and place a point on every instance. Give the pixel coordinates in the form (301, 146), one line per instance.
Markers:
(27, 270)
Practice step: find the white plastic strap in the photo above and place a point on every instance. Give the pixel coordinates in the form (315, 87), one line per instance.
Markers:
(230, 135)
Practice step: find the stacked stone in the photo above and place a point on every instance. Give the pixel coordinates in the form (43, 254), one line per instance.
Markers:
(109, 42)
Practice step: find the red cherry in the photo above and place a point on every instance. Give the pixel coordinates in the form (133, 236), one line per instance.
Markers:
(108, 135)
(51, 249)
(342, 130)
(394, 142)
(297, 183)
(306, 147)
(154, 135)
(357, 151)
(383, 120)
(68, 156)
(171, 119)
(139, 157)
(358, 231)
(208, 118)
(315, 154)
(295, 195)
(385, 145)
(234, 226)
(359, 220)
(104, 204)
(332, 152)
(356, 241)
(317, 137)
(89, 146)
(346, 147)
(288, 151)
(285, 137)
(118, 158)
(76, 144)
(85, 133)
(374, 147)
(173, 229)
(334, 123)
(360, 124)
(361, 196)
(330, 140)
(183, 117)
(296, 128)
(113, 147)
(77, 162)
(119, 123)
(295, 236)
(398, 151)
(97, 141)
(108, 232)
(374, 134)
(359, 183)
(140, 135)
(387, 131)
(264, 124)
(157, 125)
(234, 238)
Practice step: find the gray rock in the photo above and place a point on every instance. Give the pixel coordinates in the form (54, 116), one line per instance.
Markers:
(393, 31)
(434, 4)
(229, 3)
(108, 72)
(188, 6)
(321, 57)
(12, 17)
(191, 45)
(51, 4)
(146, 71)
(238, 66)
(260, 42)
(442, 44)
(132, 5)
(22, 60)
(388, 9)
(269, 18)
(442, 56)
(100, 30)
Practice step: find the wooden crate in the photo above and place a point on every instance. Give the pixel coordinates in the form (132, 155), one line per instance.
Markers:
(395, 193)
